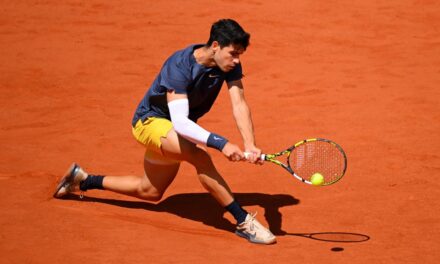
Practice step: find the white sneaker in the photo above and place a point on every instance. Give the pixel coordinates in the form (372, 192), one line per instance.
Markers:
(255, 232)
(70, 181)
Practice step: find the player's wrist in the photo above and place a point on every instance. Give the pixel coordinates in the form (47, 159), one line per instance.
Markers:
(216, 141)
(249, 145)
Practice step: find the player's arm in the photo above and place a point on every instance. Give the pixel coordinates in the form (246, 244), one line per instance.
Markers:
(179, 111)
(243, 118)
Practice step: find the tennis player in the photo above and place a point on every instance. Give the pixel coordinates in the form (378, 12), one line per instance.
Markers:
(165, 122)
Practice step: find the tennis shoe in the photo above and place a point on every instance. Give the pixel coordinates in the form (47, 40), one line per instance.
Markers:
(255, 232)
(70, 181)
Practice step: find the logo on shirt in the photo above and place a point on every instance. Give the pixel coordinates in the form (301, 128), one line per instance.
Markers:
(213, 75)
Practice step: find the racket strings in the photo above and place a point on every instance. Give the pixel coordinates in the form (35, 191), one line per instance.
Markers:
(318, 157)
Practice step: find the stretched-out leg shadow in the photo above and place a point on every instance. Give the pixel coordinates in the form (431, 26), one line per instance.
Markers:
(202, 207)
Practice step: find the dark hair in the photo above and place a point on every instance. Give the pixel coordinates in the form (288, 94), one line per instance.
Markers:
(227, 32)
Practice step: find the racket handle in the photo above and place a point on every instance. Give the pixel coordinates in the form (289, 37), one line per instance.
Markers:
(247, 154)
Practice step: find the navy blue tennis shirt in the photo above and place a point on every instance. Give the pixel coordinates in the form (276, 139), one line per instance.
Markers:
(184, 75)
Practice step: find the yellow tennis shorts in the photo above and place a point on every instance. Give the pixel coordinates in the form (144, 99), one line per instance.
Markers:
(149, 133)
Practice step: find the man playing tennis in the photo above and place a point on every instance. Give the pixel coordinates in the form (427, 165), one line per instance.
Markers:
(165, 123)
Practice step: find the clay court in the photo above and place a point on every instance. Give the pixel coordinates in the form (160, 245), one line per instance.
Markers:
(365, 74)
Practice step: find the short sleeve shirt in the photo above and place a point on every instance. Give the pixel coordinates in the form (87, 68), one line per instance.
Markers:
(182, 74)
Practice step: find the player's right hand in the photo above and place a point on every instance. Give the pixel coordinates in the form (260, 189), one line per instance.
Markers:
(233, 152)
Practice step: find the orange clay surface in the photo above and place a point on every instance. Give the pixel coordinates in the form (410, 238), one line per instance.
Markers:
(365, 74)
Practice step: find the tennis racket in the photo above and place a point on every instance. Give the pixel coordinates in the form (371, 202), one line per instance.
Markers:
(311, 156)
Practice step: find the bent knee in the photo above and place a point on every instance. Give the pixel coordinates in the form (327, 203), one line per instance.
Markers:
(199, 156)
(150, 194)
(203, 162)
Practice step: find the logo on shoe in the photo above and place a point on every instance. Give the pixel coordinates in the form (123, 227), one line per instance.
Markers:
(251, 236)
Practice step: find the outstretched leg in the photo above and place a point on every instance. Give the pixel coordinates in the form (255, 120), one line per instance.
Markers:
(150, 187)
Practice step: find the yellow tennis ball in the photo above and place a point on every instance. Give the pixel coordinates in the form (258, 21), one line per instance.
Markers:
(317, 179)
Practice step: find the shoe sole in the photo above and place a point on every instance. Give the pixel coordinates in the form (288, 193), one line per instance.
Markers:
(250, 239)
(66, 178)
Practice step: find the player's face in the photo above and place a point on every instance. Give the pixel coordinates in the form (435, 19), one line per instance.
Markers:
(227, 57)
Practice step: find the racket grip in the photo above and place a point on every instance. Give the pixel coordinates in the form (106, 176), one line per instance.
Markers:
(247, 154)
